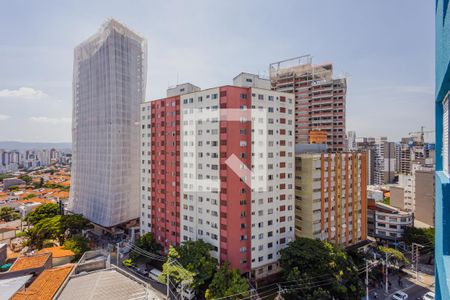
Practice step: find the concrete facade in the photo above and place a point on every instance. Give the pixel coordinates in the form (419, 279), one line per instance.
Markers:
(387, 223)
(424, 196)
(331, 197)
(320, 98)
(197, 153)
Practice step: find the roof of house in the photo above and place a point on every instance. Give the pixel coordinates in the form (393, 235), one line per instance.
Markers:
(57, 252)
(9, 287)
(104, 285)
(46, 284)
(30, 262)
(35, 199)
(7, 229)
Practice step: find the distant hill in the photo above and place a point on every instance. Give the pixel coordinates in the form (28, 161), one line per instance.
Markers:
(21, 146)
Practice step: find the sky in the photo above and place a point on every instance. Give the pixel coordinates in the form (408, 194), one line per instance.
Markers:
(384, 47)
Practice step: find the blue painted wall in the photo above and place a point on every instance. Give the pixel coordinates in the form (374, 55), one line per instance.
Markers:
(442, 206)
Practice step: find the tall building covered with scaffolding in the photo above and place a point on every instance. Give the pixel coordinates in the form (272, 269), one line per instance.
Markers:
(319, 97)
(109, 80)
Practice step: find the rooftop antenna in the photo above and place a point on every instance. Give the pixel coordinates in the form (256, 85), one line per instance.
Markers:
(177, 77)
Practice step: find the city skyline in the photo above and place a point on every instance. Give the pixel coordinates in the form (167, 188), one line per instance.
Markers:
(35, 92)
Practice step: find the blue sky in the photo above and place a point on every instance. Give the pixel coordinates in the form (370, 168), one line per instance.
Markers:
(385, 47)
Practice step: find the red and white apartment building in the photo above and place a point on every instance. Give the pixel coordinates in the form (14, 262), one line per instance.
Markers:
(218, 165)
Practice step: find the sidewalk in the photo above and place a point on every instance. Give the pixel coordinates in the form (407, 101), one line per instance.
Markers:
(423, 280)
(408, 284)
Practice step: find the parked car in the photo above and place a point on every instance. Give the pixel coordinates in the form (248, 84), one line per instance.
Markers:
(399, 295)
(142, 271)
(428, 296)
(154, 274)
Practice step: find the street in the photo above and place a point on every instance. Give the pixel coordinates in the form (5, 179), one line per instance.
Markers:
(415, 290)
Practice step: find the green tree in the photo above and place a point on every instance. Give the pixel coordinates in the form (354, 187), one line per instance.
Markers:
(13, 188)
(194, 260)
(127, 262)
(4, 176)
(423, 236)
(7, 214)
(74, 224)
(393, 255)
(44, 211)
(27, 178)
(46, 229)
(29, 196)
(148, 243)
(56, 228)
(39, 184)
(227, 282)
(78, 244)
(307, 263)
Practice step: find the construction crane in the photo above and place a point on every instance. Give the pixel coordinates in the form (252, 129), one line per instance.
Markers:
(421, 132)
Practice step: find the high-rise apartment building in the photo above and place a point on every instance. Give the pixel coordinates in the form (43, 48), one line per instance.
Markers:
(367, 145)
(405, 157)
(319, 98)
(351, 141)
(381, 159)
(414, 150)
(108, 87)
(442, 107)
(331, 197)
(218, 165)
(385, 159)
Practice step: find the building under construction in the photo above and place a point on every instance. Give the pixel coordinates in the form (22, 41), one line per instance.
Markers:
(319, 98)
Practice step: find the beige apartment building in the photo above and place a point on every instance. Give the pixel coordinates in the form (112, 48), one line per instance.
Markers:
(331, 197)
(424, 196)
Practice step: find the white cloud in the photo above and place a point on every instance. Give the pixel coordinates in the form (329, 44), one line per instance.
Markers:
(48, 120)
(3, 117)
(23, 92)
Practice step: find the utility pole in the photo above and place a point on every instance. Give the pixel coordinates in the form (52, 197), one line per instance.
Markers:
(387, 280)
(118, 253)
(168, 279)
(367, 280)
(415, 257)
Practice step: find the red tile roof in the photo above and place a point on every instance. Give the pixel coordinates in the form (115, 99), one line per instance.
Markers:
(57, 252)
(30, 262)
(46, 284)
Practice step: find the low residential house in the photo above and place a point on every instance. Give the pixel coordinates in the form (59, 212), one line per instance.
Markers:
(8, 182)
(45, 286)
(33, 264)
(10, 286)
(7, 234)
(93, 277)
(60, 256)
